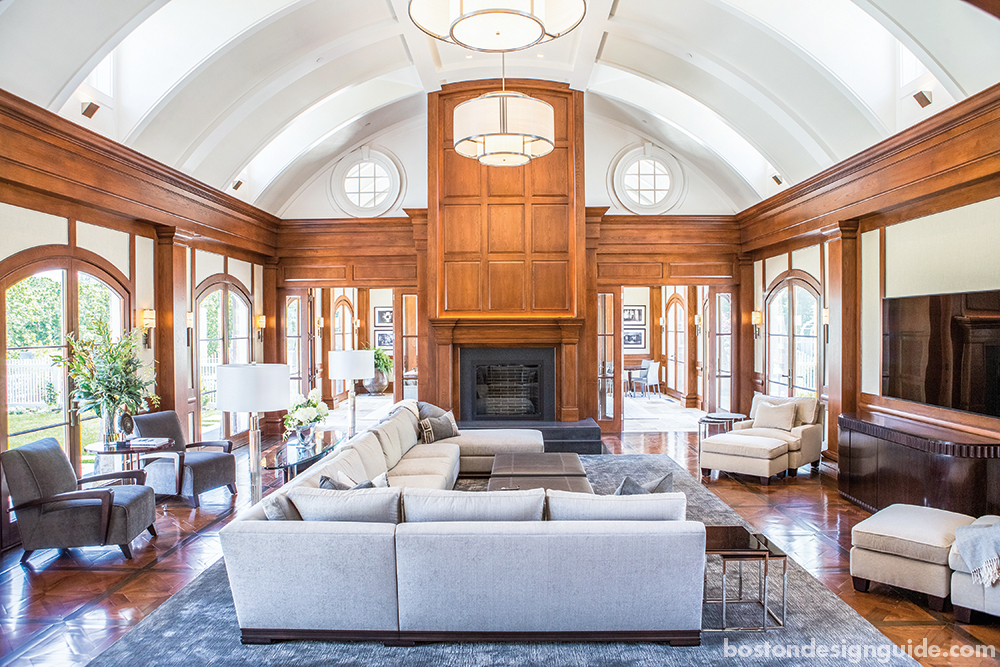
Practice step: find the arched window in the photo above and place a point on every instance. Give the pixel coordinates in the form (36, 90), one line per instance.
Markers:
(223, 325)
(792, 325)
(676, 348)
(343, 334)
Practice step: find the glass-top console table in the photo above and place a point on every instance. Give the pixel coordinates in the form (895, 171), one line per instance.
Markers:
(291, 458)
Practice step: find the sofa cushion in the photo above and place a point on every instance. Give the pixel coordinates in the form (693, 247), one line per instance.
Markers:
(347, 461)
(571, 506)
(408, 427)
(423, 466)
(388, 440)
(365, 505)
(432, 505)
(955, 560)
(791, 438)
(488, 442)
(277, 507)
(433, 429)
(367, 446)
(735, 443)
(806, 407)
(910, 531)
(775, 416)
(418, 481)
(436, 450)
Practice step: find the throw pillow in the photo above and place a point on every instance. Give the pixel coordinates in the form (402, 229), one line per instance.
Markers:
(437, 428)
(277, 507)
(365, 505)
(345, 479)
(570, 506)
(444, 505)
(630, 487)
(335, 485)
(775, 416)
(381, 481)
(428, 410)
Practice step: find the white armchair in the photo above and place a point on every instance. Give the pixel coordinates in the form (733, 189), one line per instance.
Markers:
(805, 440)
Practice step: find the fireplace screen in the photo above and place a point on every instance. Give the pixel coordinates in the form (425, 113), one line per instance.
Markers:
(507, 390)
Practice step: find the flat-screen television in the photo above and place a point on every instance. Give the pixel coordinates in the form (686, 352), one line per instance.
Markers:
(943, 349)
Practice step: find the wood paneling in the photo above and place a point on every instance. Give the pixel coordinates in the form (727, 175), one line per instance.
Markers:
(506, 228)
(506, 286)
(550, 228)
(550, 285)
(487, 214)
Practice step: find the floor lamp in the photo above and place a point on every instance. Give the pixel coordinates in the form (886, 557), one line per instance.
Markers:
(253, 388)
(351, 365)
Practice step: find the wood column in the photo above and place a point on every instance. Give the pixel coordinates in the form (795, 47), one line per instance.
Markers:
(656, 351)
(424, 330)
(744, 362)
(691, 398)
(271, 424)
(173, 346)
(844, 348)
(325, 306)
(588, 309)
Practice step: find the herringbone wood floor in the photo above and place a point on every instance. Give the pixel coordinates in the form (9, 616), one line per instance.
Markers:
(68, 607)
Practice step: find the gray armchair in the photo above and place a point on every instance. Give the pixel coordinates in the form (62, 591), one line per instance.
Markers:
(180, 471)
(53, 514)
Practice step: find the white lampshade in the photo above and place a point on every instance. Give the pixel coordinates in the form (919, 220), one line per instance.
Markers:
(504, 129)
(497, 25)
(252, 387)
(352, 364)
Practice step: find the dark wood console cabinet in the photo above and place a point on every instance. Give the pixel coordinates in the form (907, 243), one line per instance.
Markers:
(886, 460)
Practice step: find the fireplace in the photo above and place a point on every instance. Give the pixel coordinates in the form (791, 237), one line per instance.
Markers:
(507, 384)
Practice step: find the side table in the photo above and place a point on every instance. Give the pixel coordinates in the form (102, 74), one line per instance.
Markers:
(724, 419)
(131, 450)
(735, 544)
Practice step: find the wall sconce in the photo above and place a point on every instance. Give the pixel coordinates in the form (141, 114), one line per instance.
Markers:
(148, 318)
(826, 325)
(826, 316)
(697, 324)
(190, 327)
(756, 319)
(320, 323)
(261, 325)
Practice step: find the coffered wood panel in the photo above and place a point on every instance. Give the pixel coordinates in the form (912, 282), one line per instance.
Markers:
(505, 220)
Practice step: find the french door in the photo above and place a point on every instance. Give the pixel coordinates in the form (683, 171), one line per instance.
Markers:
(793, 350)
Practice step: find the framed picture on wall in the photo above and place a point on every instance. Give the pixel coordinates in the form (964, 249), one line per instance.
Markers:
(634, 316)
(385, 338)
(634, 339)
(383, 317)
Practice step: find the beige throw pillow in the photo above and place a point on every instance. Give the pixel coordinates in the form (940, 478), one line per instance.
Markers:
(441, 505)
(570, 506)
(775, 416)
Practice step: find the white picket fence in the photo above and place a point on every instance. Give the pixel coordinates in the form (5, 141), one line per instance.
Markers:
(28, 380)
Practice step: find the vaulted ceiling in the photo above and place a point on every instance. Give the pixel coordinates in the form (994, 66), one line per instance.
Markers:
(274, 92)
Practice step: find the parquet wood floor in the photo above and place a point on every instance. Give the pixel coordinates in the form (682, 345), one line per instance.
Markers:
(68, 607)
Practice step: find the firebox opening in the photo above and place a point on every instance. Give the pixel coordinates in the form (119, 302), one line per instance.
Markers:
(507, 384)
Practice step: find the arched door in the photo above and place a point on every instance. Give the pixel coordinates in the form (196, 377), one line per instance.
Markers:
(223, 322)
(793, 351)
(676, 331)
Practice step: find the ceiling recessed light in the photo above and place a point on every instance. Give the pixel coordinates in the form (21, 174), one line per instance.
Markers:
(468, 57)
(541, 55)
(89, 109)
(777, 179)
(237, 184)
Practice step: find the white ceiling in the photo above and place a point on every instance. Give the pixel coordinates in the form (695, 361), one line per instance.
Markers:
(275, 92)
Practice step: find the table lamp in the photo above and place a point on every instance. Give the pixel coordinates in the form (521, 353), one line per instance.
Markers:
(253, 388)
(351, 365)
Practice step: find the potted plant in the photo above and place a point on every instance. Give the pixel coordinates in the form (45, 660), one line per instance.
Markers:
(383, 367)
(304, 414)
(108, 376)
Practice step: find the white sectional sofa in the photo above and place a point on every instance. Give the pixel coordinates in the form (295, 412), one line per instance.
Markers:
(459, 566)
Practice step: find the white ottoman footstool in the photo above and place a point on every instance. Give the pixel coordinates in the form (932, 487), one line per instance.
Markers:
(744, 454)
(967, 595)
(906, 546)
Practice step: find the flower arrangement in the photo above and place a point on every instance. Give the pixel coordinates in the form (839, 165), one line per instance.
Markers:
(305, 412)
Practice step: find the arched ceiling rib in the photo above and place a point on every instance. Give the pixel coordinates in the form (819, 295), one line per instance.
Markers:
(220, 88)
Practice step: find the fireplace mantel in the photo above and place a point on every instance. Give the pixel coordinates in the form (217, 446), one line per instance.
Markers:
(562, 333)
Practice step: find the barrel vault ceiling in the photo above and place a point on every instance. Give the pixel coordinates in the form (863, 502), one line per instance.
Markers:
(274, 92)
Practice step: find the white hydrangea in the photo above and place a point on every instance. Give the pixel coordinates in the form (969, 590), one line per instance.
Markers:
(306, 414)
(323, 410)
(316, 395)
(298, 400)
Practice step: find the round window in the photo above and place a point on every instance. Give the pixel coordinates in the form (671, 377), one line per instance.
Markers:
(646, 180)
(366, 183)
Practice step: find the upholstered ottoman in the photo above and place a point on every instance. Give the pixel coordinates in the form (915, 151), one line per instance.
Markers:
(906, 546)
(744, 454)
(966, 594)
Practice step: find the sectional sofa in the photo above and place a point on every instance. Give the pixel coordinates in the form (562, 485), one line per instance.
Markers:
(418, 561)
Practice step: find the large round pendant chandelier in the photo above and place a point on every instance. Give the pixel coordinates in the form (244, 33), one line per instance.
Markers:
(497, 25)
(504, 128)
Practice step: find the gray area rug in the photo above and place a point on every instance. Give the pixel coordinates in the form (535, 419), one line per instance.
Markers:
(198, 626)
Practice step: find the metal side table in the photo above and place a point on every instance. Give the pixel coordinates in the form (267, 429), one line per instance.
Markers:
(735, 544)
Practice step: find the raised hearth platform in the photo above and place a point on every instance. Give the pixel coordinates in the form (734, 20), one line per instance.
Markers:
(582, 437)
